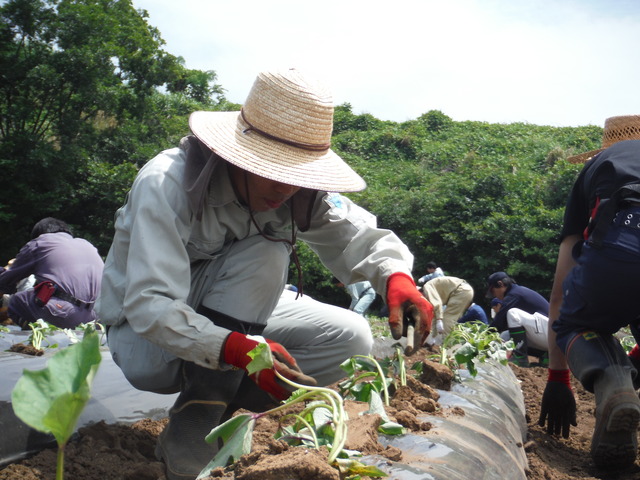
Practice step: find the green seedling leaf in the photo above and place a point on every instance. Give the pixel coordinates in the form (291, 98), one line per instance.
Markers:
(294, 436)
(236, 434)
(391, 428)
(363, 391)
(349, 366)
(322, 416)
(261, 358)
(353, 469)
(51, 400)
(357, 385)
(465, 353)
(418, 367)
(376, 406)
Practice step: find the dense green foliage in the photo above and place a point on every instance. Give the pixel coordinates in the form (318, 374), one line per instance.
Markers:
(474, 197)
(88, 95)
(82, 108)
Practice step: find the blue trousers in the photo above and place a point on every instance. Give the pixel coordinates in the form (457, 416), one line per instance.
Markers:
(602, 292)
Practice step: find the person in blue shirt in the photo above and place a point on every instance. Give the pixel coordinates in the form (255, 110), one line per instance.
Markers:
(474, 313)
(362, 295)
(524, 313)
(433, 271)
(496, 303)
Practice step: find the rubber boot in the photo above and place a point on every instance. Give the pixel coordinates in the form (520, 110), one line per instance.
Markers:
(542, 355)
(544, 360)
(519, 355)
(601, 365)
(201, 406)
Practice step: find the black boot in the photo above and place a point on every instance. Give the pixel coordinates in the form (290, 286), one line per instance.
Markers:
(201, 406)
(601, 365)
(520, 354)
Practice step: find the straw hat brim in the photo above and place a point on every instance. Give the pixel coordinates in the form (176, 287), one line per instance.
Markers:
(224, 133)
(583, 157)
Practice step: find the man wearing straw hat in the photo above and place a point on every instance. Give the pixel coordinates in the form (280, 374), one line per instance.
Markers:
(195, 277)
(595, 293)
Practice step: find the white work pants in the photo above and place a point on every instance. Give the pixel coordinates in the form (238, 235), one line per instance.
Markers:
(536, 326)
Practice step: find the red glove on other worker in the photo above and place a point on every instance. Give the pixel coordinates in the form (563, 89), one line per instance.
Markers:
(235, 353)
(558, 407)
(406, 302)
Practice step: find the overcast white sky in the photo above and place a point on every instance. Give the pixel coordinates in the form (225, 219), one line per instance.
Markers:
(545, 62)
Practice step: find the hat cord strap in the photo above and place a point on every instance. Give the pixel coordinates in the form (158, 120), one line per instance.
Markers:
(291, 243)
(305, 146)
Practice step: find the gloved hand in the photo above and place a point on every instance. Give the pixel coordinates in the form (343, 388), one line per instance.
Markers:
(558, 404)
(235, 352)
(404, 300)
(634, 356)
(439, 327)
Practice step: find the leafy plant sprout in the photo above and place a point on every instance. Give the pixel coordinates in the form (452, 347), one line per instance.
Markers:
(51, 400)
(39, 331)
(402, 368)
(304, 434)
(236, 432)
(370, 368)
(94, 325)
(473, 342)
(626, 339)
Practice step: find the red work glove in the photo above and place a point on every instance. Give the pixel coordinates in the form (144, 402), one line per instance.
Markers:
(634, 356)
(405, 301)
(235, 353)
(558, 404)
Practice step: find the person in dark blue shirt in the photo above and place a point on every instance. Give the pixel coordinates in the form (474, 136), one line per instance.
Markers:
(524, 313)
(474, 313)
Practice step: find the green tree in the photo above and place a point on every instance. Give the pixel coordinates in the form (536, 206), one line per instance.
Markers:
(79, 83)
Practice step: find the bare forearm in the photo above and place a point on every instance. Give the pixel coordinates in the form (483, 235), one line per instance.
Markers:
(557, 360)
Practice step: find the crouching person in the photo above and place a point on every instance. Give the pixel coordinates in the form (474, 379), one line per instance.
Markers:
(595, 293)
(195, 277)
(522, 316)
(55, 277)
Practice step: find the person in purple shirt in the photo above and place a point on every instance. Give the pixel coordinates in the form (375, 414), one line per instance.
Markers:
(68, 275)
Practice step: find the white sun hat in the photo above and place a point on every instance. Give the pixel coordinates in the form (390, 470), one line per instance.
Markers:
(282, 133)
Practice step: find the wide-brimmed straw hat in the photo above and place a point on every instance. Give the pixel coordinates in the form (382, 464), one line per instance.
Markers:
(616, 129)
(282, 133)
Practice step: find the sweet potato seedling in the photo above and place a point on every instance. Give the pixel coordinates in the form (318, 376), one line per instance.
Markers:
(364, 376)
(322, 422)
(474, 342)
(51, 400)
(39, 331)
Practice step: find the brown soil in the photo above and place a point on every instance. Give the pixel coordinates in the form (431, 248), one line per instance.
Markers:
(26, 349)
(126, 452)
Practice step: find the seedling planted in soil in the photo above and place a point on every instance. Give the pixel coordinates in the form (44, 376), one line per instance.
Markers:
(322, 422)
(39, 331)
(51, 400)
(473, 342)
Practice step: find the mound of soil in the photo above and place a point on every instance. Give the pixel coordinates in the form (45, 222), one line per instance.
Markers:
(126, 452)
